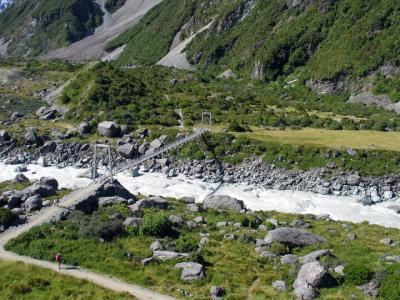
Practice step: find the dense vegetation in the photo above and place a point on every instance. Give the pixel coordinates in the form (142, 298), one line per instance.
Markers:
(331, 39)
(20, 281)
(232, 264)
(36, 27)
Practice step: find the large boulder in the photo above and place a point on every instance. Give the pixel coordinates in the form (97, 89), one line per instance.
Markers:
(20, 178)
(39, 189)
(168, 255)
(83, 128)
(109, 129)
(311, 276)
(48, 147)
(155, 202)
(49, 181)
(127, 151)
(191, 271)
(293, 237)
(4, 136)
(353, 179)
(33, 203)
(31, 137)
(87, 204)
(114, 189)
(223, 202)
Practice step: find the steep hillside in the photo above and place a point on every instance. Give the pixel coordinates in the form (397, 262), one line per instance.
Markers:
(30, 28)
(266, 39)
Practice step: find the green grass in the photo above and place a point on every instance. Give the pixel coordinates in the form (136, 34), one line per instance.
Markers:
(232, 264)
(21, 281)
(329, 138)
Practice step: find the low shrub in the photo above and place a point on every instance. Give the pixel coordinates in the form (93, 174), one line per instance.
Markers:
(156, 224)
(278, 248)
(357, 274)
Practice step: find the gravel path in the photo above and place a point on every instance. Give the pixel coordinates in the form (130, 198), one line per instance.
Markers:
(101, 280)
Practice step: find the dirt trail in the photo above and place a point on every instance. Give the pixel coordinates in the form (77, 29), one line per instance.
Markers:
(101, 280)
(92, 47)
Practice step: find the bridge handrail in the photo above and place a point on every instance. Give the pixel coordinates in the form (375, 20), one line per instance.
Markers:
(144, 157)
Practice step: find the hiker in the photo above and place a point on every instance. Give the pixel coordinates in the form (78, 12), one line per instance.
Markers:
(58, 259)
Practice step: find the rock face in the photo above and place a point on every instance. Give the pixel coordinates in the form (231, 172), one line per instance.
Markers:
(293, 237)
(109, 129)
(223, 202)
(311, 276)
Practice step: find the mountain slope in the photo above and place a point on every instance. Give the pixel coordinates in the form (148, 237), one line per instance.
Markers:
(266, 39)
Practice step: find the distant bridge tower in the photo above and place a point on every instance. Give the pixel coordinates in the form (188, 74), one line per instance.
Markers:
(110, 163)
(206, 117)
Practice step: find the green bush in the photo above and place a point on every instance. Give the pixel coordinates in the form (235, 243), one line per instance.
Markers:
(156, 224)
(357, 274)
(278, 248)
(236, 127)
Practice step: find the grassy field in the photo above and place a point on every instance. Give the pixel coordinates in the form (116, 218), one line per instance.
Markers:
(232, 264)
(21, 281)
(336, 139)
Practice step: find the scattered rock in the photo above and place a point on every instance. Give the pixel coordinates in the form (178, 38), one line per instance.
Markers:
(20, 178)
(371, 289)
(289, 259)
(188, 200)
(109, 129)
(386, 241)
(315, 256)
(293, 237)
(155, 246)
(33, 203)
(223, 202)
(168, 255)
(191, 271)
(155, 202)
(108, 201)
(279, 285)
(217, 291)
(127, 151)
(132, 222)
(176, 220)
(395, 259)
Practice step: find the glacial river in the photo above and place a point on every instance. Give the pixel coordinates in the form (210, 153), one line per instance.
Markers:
(338, 207)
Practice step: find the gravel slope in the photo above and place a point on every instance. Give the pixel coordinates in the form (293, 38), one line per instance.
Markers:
(92, 47)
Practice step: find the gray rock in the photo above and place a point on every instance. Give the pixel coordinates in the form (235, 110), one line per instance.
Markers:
(132, 222)
(315, 255)
(21, 169)
(31, 137)
(312, 275)
(293, 237)
(155, 202)
(168, 255)
(188, 200)
(226, 74)
(39, 189)
(176, 220)
(339, 269)
(289, 259)
(366, 201)
(20, 178)
(127, 151)
(49, 181)
(229, 236)
(223, 202)
(279, 285)
(221, 224)
(371, 289)
(353, 180)
(33, 203)
(217, 291)
(191, 224)
(88, 204)
(42, 161)
(193, 207)
(48, 147)
(147, 261)
(83, 128)
(300, 224)
(191, 271)
(114, 189)
(199, 219)
(156, 144)
(109, 129)
(269, 255)
(273, 222)
(386, 241)
(108, 201)
(155, 246)
(395, 259)
(4, 136)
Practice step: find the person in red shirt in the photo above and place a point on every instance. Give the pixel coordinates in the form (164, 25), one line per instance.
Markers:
(58, 259)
